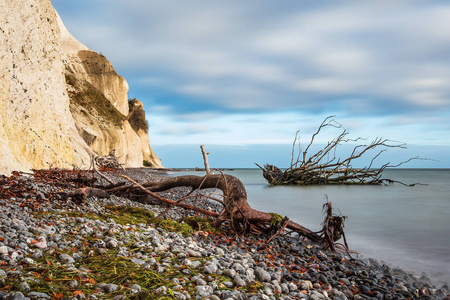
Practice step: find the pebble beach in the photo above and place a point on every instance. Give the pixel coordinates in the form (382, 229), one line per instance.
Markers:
(52, 247)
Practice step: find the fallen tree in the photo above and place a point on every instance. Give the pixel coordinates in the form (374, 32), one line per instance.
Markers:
(326, 167)
(240, 217)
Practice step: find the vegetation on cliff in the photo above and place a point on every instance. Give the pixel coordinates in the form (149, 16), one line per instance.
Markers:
(136, 116)
(91, 99)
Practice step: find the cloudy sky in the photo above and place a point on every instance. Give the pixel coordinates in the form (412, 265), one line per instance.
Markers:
(242, 77)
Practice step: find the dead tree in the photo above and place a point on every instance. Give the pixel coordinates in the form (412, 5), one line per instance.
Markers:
(235, 209)
(236, 212)
(326, 167)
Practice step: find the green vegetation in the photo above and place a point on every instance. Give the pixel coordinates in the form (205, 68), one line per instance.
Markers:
(91, 99)
(276, 222)
(94, 266)
(136, 116)
(52, 278)
(201, 223)
(128, 215)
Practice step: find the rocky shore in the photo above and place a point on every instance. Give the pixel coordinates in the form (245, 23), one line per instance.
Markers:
(113, 248)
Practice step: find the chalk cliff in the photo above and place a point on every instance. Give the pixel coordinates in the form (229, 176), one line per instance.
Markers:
(59, 101)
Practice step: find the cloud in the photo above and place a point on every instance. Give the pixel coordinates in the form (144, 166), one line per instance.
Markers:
(205, 68)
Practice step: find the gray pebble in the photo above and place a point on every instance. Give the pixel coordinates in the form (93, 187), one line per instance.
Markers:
(200, 282)
(229, 272)
(136, 287)
(238, 281)
(161, 290)
(262, 275)
(24, 287)
(110, 288)
(38, 296)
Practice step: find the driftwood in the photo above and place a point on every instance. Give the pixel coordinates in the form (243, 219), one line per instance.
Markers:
(236, 212)
(205, 159)
(326, 167)
(110, 161)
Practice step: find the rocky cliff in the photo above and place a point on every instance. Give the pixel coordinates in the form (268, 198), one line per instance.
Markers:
(59, 102)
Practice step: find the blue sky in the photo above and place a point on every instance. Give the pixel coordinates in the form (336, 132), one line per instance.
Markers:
(243, 77)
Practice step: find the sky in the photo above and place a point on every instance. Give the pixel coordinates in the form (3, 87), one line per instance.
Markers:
(242, 77)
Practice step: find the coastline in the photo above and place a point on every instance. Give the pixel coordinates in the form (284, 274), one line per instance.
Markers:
(201, 265)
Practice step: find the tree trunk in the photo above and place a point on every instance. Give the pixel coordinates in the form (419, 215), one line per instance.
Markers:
(236, 208)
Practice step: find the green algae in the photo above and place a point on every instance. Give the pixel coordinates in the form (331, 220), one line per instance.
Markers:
(174, 226)
(276, 221)
(201, 223)
(129, 214)
(96, 266)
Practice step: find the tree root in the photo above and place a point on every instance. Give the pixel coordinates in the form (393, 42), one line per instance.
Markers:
(236, 211)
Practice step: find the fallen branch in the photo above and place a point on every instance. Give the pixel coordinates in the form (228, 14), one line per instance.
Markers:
(171, 202)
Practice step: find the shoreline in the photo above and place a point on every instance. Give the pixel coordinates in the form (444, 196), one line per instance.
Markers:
(201, 265)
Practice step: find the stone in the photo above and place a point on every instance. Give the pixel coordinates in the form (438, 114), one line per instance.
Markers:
(284, 288)
(262, 275)
(16, 296)
(200, 282)
(161, 290)
(66, 259)
(24, 287)
(193, 253)
(305, 285)
(238, 281)
(203, 291)
(111, 288)
(138, 261)
(229, 272)
(210, 269)
(136, 287)
(38, 296)
(73, 284)
(112, 244)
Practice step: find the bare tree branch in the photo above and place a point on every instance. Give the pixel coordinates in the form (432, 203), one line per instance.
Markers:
(325, 167)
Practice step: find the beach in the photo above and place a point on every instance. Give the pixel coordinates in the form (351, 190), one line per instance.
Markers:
(53, 247)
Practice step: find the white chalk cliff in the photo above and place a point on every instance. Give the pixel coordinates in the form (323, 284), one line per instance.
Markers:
(59, 101)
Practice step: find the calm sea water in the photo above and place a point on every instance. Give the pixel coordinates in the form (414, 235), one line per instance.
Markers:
(408, 227)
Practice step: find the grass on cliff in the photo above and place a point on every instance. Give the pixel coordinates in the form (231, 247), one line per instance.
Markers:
(136, 116)
(90, 98)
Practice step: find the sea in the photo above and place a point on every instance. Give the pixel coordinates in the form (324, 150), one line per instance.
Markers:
(403, 226)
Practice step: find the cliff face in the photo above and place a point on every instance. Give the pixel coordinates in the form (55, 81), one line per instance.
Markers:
(59, 101)
(100, 107)
(35, 120)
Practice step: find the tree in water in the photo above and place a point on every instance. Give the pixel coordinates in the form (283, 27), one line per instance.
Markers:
(326, 167)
